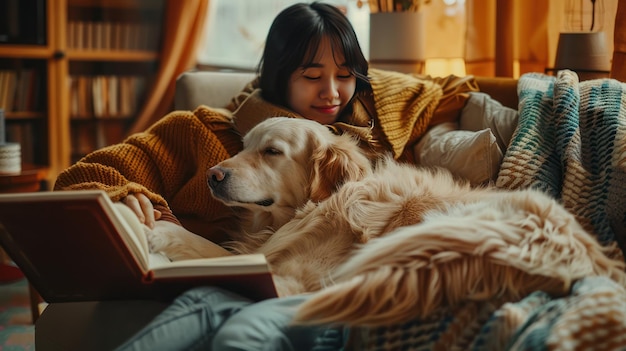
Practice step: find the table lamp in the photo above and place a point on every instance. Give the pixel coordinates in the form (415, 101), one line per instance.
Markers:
(582, 44)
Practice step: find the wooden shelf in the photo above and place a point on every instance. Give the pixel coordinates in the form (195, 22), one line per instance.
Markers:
(127, 4)
(24, 115)
(26, 51)
(111, 55)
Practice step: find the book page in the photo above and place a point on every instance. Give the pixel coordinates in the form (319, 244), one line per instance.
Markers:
(156, 259)
(131, 224)
(161, 267)
(227, 265)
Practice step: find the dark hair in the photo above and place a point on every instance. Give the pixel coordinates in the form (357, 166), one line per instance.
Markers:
(292, 42)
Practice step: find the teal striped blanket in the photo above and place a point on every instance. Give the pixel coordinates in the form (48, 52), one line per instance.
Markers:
(570, 143)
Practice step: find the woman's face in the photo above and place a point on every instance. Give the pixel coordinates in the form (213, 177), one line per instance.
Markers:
(321, 90)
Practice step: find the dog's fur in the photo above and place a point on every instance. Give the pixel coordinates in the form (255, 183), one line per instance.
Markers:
(316, 201)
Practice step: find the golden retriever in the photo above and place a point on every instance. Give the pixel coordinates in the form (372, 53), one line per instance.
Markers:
(381, 242)
(284, 164)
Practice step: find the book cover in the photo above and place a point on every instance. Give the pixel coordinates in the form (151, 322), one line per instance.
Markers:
(75, 246)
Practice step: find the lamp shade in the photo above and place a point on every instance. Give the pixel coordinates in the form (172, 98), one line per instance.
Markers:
(585, 51)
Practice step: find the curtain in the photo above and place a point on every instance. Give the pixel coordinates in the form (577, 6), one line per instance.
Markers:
(182, 33)
(618, 66)
(500, 32)
(511, 37)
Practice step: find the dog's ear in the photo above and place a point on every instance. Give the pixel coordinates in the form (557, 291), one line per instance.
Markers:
(336, 163)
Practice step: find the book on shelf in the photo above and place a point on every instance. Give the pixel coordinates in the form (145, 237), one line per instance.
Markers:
(117, 29)
(18, 90)
(112, 35)
(112, 94)
(83, 141)
(76, 32)
(107, 134)
(8, 84)
(106, 36)
(27, 91)
(105, 96)
(80, 246)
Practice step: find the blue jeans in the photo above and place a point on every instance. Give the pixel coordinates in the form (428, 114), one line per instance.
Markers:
(209, 318)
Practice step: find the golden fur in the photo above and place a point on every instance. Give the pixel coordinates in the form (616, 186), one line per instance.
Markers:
(383, 242)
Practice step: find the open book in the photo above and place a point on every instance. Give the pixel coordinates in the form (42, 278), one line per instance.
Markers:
(79, 246)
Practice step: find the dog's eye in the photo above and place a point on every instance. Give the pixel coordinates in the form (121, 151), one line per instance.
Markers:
(272, 151)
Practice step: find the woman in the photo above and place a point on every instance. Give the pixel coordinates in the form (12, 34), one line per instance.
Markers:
(312, 67)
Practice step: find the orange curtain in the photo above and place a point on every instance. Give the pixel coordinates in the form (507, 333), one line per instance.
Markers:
(618, 66)
(500, 32)
(182, 33)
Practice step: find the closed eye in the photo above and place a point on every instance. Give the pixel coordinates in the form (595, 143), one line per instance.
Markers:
(339, 76)
(272, 151)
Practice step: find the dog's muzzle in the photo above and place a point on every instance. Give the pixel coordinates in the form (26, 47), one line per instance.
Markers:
(218, 183)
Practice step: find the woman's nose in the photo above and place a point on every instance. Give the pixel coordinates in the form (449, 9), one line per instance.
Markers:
(330, 90)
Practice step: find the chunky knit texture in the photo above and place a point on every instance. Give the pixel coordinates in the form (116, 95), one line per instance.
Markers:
(405, 105)
(570, 144)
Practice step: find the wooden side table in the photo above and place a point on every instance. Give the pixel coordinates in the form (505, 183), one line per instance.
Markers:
(29, 180)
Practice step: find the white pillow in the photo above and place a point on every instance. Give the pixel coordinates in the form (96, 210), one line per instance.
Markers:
(482, 111)
(473, 155)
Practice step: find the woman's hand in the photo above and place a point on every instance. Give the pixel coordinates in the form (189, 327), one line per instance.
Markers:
(143, 208)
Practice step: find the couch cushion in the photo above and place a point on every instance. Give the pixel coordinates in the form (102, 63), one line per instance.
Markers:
(472, 155)
(213, 89)
(481, 111)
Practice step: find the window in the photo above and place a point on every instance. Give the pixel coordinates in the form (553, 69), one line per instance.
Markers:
(236, 30)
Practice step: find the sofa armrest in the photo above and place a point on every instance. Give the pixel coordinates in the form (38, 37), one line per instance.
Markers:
(502, 89)
(214, 89)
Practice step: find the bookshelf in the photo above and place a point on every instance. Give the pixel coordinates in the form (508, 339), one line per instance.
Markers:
(77, 80)
(111, 54)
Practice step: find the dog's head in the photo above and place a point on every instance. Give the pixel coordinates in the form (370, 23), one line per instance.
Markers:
(286, 162)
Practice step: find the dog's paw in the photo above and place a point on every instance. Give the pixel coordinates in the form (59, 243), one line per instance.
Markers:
(177, 243)
(157, 240)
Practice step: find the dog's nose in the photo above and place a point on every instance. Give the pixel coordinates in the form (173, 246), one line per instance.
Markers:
(216, 176)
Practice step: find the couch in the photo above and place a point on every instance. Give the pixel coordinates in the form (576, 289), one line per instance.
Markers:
(102, 325)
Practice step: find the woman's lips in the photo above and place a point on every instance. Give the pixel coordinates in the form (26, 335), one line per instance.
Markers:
(327, 109)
